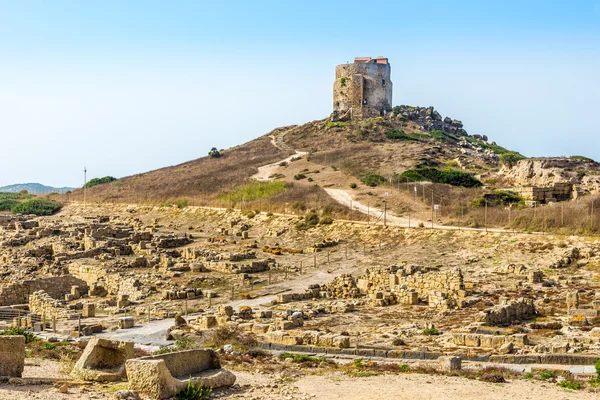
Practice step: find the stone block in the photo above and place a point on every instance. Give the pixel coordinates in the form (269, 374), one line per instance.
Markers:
(472, 340)
(12, 355)
(89, 310)
(165, 375)
(206, 322)
(103, 360)
(449, 363)
(126, 322)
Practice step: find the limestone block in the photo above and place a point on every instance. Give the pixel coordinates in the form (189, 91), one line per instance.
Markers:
(572, 300)
(163, 376)
(206, 322)
(126, 322)
(12, 355)
(449, 363)
(103, 360)
(89, 310)
(472, 340)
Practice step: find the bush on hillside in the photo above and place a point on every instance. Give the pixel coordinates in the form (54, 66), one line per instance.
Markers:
(447, 176)
(37, 207)
(309, 221)
(373, 180)
(511, 158)
(99, 181)
(400, 135)
(214, 153)
(498, 198)
(581, 158)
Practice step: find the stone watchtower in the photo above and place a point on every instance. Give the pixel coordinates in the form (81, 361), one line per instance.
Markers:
(362, 89)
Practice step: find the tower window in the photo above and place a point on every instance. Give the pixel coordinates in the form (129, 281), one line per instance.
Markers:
(383, 82)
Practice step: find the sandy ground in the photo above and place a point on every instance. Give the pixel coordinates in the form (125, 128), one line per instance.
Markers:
(429, 387)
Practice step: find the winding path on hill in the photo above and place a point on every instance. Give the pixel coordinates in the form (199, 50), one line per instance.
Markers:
(345, 198)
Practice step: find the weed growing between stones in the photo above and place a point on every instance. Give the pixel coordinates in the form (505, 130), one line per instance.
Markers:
(192, 392)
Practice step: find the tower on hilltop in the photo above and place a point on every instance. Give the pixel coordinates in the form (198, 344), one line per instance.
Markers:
(362, 89)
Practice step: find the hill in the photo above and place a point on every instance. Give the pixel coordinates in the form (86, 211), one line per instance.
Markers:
(34, 188)
(406, 162)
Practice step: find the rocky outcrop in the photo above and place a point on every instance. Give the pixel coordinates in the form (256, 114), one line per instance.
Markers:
(548, 171)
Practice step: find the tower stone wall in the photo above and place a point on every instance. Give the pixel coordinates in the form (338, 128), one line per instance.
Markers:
(362, 89)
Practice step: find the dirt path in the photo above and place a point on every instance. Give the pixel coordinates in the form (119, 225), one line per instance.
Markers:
(266, 171)
(153, 333)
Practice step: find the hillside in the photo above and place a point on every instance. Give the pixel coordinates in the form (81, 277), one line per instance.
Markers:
(33, 188)
(353, 168)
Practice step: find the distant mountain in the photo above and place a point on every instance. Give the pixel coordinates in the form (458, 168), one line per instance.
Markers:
(33, 188)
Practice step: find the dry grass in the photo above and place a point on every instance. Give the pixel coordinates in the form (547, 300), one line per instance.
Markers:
(200, 180)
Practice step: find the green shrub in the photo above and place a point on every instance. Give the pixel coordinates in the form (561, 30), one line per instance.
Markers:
(7, 205)
(49, 346)
(568, 384)
(99, 181)
(353, 185)
(299, 206)
(403, 367)
(310, 220)
(299, 176)
(326, 220)
(511, 158)
(546, 375)
(499, 197)
(214, 153)
(37, 207)
(400, 135)
(581, 158)
(597, 366)
(431, 332)
(447, 176)
(192, 392)
(181, 203)
(117, 183)
(29, 336)
(373, 180)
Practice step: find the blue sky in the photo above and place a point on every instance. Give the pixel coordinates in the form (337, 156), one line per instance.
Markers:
(130, 86)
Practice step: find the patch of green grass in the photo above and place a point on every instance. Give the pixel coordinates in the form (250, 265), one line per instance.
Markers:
(254, 190)
(300, 358)
(546, 375)
(567, 384)
(400, 135)
(181, 203)
(364, 374)
(338, 124)
(431, 332)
